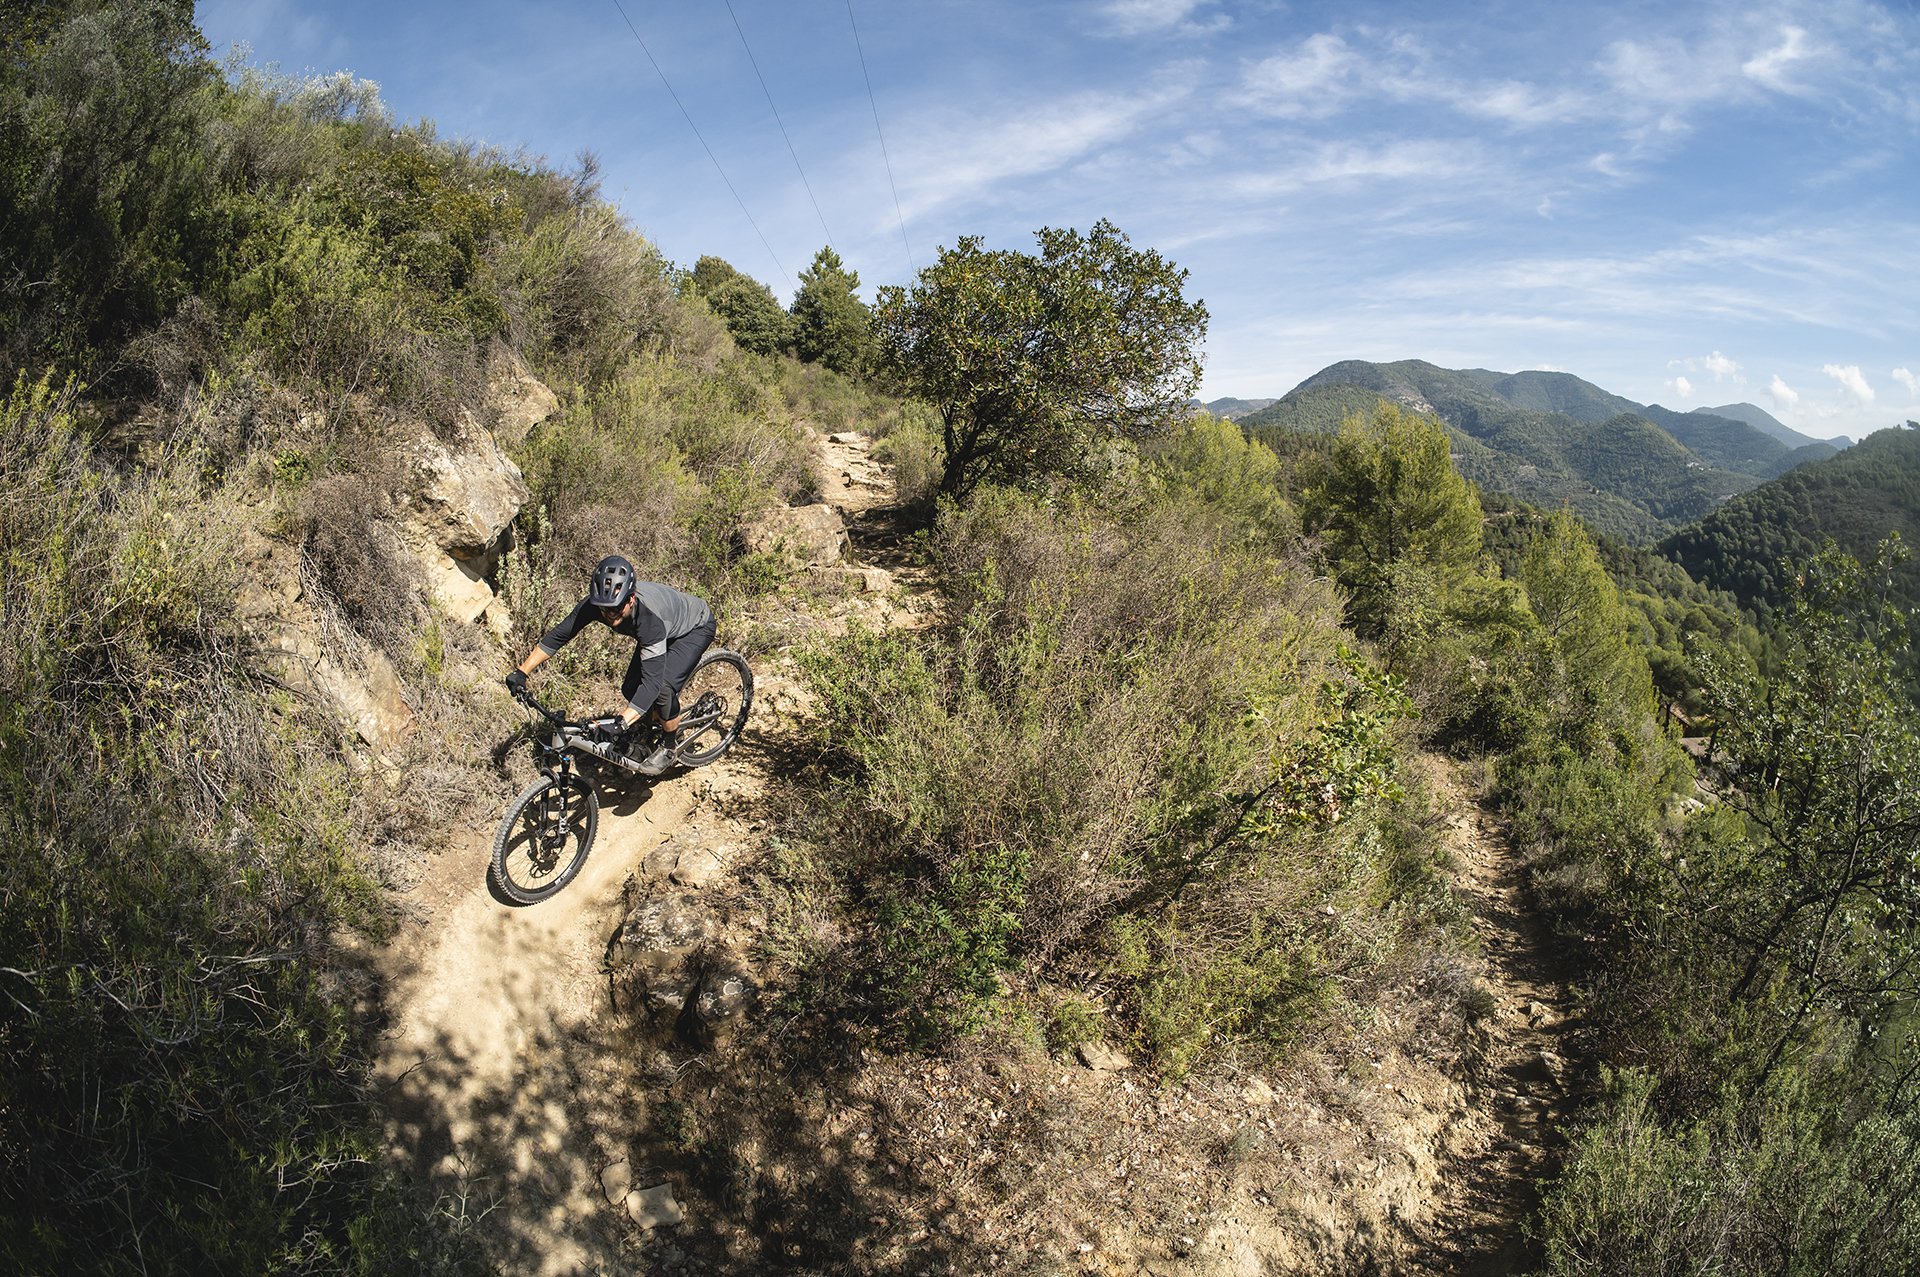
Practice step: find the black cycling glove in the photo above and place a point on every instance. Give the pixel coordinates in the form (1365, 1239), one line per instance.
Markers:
(517, 683)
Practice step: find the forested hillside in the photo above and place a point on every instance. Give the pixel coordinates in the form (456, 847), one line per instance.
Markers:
(1752, 546)
(1552, 439)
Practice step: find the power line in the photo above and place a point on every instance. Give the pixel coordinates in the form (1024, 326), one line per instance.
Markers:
(914, 266)
(703, 142)
(752, 61)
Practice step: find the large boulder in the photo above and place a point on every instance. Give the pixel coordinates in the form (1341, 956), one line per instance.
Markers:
(671, 972)
(462, 493)
(814, 535)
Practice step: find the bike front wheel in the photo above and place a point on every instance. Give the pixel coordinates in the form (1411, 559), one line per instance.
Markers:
(544, 840)
(714, 703)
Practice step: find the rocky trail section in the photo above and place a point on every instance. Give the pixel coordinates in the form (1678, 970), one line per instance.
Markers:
(507, 1085)
(596, 1084)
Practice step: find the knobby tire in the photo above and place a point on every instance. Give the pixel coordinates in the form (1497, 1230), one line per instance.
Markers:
(529, 872)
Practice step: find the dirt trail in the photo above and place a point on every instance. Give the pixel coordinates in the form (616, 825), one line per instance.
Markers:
(1525, 1083)
(506, 1085)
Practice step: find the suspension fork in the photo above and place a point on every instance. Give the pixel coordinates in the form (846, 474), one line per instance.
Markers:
(553, 804)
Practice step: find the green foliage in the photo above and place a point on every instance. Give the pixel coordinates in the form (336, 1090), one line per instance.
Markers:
(1213, 459)
(1750, 546)
(1787, 1182)
(105, 176)
(1402, 527)
(831, 325)
(1136, 727)
(912, 448)
(181, 1083)
(1037, 364)
(747, 307)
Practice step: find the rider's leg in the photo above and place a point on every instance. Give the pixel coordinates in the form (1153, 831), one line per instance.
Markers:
(681, 656)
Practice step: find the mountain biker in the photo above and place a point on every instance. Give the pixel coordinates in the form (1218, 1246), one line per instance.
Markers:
(670, 630)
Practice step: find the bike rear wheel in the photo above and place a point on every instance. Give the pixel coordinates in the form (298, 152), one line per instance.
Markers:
(544, 839)
(714, 706)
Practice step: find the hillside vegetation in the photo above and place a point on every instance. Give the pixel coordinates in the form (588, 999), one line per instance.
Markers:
(1150, 779)
(231, 309)
(1751, 545)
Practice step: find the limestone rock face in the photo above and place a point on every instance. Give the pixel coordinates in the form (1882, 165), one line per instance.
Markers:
(814, 535)
(520, 401)
(464, 492)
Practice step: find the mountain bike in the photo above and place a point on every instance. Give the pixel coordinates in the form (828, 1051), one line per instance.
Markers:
(548, 830)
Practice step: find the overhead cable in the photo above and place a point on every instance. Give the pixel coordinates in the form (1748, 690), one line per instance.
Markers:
(754, 62)
(883, 139)
(703, 143)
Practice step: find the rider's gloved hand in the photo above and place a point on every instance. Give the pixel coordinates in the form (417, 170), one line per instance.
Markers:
(517, 683)
(608, 732)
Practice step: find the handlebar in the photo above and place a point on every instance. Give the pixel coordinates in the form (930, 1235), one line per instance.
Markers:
(558, 720)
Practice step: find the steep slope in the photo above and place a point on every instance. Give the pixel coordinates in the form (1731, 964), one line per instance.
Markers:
(1856, 498)
(1767, 424)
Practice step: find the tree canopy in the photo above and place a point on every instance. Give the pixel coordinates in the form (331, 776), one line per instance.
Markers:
(1033, 361)
(831, 325)
(745, 305)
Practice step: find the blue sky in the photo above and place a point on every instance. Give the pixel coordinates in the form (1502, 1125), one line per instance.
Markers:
(1686, 203)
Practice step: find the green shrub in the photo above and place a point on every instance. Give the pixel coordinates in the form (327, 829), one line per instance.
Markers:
(1134, 729)
(182, 1086)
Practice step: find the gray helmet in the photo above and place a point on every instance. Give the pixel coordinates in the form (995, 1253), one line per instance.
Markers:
(612, 582)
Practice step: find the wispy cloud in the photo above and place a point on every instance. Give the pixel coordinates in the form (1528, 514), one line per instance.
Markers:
(1906, 378)
(1682, 387)
(1851, 381)
(1318, 77)
(1782, 394)
(1337, 162)
(1143, 17)
(961, 157)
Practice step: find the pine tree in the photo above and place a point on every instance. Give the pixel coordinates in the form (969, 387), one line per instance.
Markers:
(831, 323)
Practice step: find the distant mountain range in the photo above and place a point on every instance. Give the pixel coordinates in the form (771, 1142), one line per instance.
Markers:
(1234, 409)
(1633, 470)
(1765, 422)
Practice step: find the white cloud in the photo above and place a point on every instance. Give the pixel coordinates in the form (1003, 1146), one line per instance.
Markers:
(1718, 364)
(1313, 81)
(1682, 387)
(1767, 68)
(1906, 378)
(1849, 377)
(1138, 17)
(1783, 394)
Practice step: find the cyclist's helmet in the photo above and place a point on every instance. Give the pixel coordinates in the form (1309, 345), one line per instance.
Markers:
(612, 582)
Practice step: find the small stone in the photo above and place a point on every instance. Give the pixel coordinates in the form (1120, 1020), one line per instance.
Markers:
(655, 1208)
(616, 1181)
(1256, 1091)
(1102, 1058)
(697, 867)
